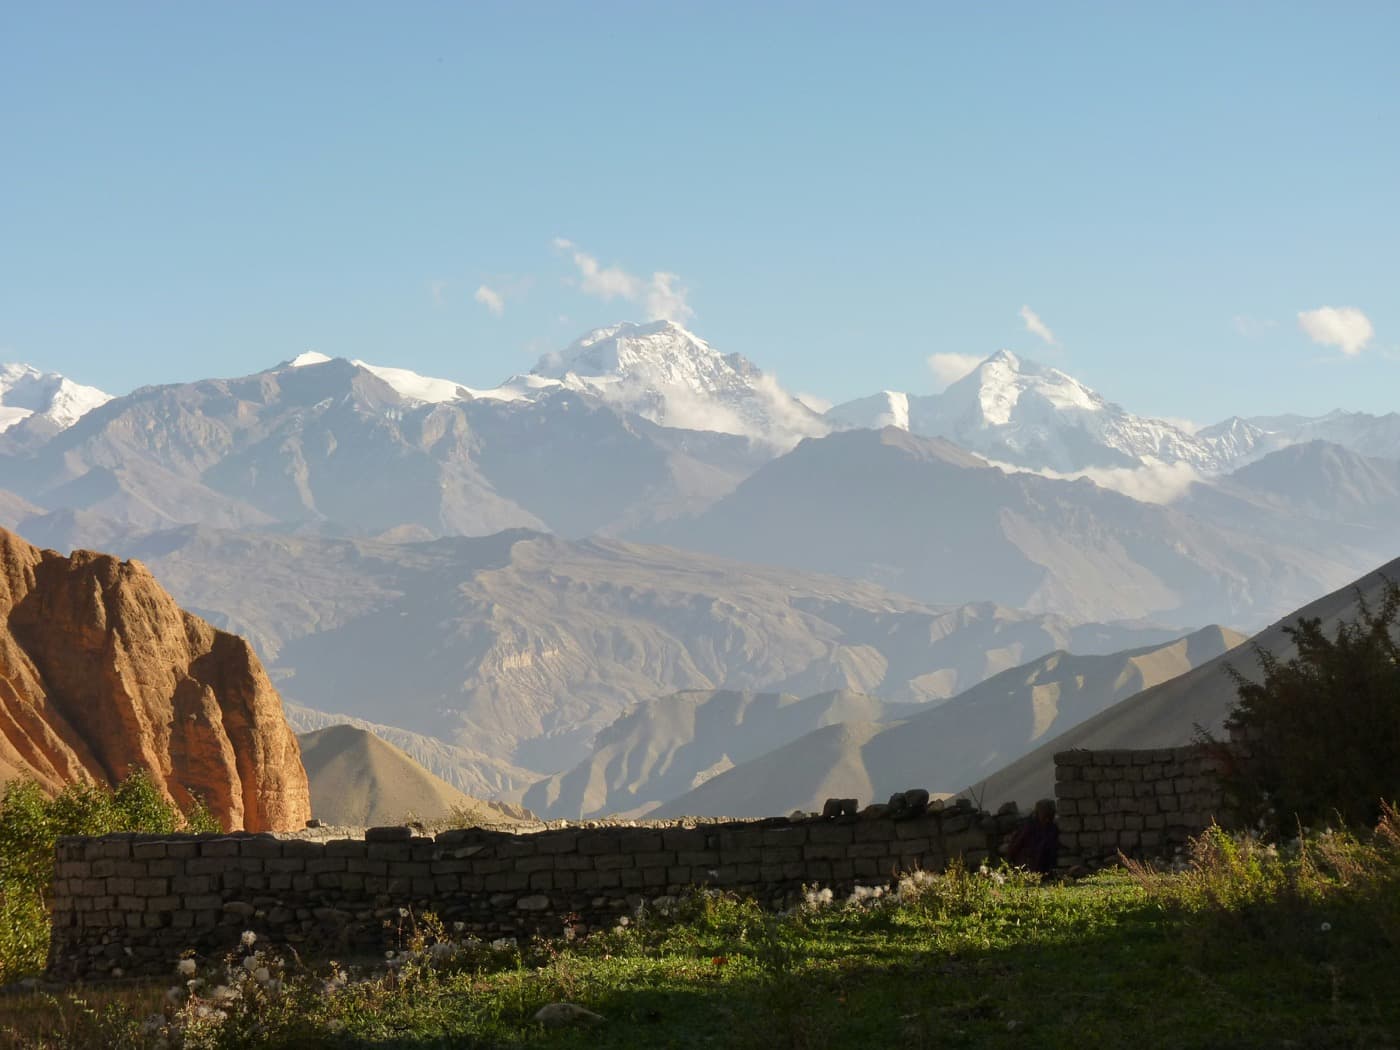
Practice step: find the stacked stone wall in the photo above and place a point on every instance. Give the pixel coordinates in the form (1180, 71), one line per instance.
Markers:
(132, 904)
(1142, 803)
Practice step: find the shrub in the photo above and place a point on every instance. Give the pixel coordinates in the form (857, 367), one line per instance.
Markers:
(31, 823)
(1322, 730)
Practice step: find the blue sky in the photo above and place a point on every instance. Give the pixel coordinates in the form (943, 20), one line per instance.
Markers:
(840, 191)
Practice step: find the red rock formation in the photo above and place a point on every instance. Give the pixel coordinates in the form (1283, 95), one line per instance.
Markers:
(102, 674)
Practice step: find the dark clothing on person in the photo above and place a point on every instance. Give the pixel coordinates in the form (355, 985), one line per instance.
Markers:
(1035, 846)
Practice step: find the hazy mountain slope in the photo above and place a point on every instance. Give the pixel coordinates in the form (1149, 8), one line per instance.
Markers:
(329, 445)
(1361, 432)
(1165, 715)
(293, 444)
(582, 468)
(826, 763)
(670, 745)
(925, 518)
(1321, 480)
(947, 746)
(470, 772)
(1315, 494)
(359, 780)
(521, 646)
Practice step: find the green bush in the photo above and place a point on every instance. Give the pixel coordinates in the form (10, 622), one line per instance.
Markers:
(31, 823)
(1322, 730)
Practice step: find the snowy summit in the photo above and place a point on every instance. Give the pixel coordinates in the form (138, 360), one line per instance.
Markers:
(671, 376)
(25, 391)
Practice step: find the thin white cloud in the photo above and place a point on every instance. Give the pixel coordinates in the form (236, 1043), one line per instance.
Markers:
(1188, 426)
(815, 402)
(660, 295)
(1252, 327)
(947, 369)
(1037, 327)
(1345, 327)
(665, 300)
(435, 289)
(1153, 482)
(491, 299)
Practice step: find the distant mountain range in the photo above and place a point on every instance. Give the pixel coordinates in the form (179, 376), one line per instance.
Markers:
(1166, 715)
(1012, 410)
(383, 537)
(925, 518)
(1007, 409)
(947, 747)
(520, 647)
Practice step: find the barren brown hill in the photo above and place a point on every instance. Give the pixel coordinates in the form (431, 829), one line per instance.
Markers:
(360, 781)
(102, 675)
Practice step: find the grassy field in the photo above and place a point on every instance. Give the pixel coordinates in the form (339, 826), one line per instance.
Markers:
(1243, 948)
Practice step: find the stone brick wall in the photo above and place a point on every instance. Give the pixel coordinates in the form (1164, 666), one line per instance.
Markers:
(1143, 803)
(131, 904)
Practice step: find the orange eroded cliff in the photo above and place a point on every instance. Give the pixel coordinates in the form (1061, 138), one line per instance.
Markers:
(102, 674)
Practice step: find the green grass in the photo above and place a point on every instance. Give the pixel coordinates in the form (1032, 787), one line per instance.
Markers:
(1246, 948)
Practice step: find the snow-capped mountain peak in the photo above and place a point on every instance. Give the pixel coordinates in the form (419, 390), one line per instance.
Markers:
(25, 391)
(413, 386)
(658, 350)
(1017, 411)
(667, 374)
(995, 388)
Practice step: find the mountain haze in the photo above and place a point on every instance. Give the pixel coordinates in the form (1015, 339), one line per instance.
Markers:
(923, 517)
(520, 646)
(945, 747)
(1167, 715)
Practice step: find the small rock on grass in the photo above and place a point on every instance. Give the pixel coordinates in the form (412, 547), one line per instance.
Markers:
(557, 1015)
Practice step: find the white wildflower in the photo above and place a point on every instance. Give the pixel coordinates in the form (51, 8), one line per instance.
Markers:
(249, 938)
(186, 967)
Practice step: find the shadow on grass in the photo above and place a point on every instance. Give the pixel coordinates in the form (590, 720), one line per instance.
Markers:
(1261, 978)
(1132, 977)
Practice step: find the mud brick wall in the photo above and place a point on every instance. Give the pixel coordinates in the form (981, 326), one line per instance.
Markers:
(1144, 803)
(129, 904)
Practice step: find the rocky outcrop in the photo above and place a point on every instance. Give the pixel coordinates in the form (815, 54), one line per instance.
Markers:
(102, 674)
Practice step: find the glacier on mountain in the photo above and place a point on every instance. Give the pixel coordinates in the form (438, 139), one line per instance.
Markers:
(659, 371)
(1023, 415)
(25, 391)
(671, 376)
